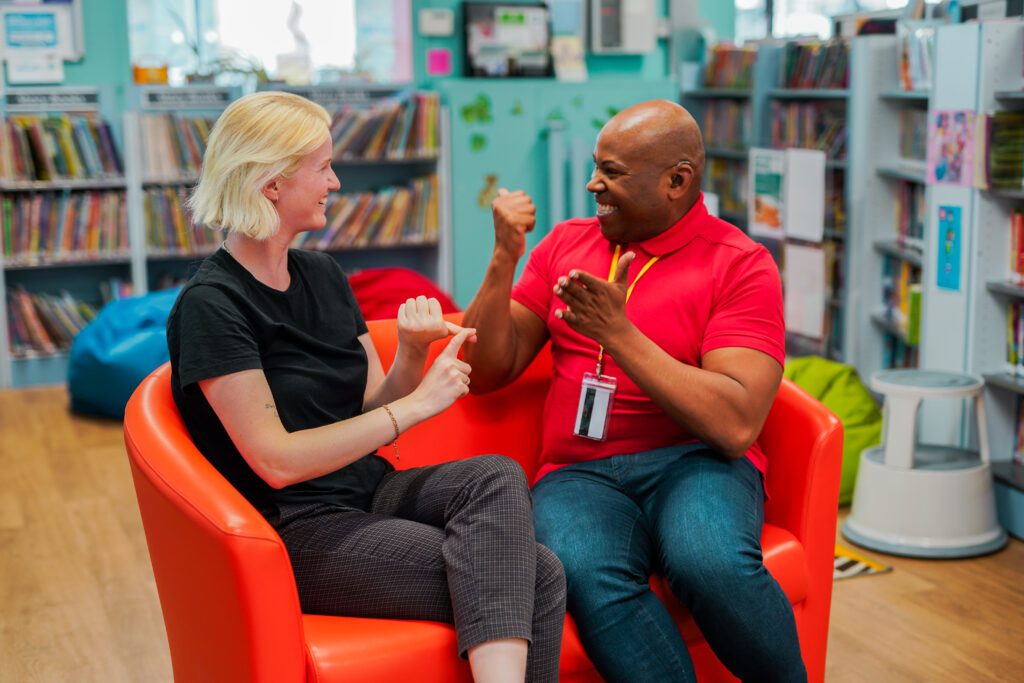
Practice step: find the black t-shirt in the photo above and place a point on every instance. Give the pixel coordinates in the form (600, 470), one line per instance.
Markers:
(305, 340)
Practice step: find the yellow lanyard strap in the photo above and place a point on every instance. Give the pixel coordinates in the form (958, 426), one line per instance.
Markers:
(629, 291)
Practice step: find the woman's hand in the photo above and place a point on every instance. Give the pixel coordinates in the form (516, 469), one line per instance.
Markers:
(447, 380)
(420, 322)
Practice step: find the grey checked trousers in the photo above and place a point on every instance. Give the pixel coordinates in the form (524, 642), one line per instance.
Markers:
(451, 543)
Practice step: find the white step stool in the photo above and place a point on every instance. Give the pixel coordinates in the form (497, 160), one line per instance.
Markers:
(924, 500)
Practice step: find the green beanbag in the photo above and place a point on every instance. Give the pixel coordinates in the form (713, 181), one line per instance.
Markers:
(839, 387)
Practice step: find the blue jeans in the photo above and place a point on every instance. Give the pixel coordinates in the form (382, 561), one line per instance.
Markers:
(692, 515)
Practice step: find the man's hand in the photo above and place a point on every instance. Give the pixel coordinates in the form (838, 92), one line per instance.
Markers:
(595, 308)
(514, 216)
(420, 322)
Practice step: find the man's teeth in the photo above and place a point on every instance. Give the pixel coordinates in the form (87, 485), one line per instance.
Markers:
(605, 209)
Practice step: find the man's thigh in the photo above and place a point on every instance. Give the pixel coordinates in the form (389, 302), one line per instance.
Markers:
(591, 524)
(706, 508)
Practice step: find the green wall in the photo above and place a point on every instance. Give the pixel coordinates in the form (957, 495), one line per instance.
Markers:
(500, 138)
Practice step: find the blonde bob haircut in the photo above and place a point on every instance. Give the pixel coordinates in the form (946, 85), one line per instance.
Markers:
(258, 138)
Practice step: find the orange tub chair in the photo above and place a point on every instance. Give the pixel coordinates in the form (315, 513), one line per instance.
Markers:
(226, 586)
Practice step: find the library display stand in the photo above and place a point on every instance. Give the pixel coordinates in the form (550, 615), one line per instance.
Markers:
(995, 284)
(65, 235)
(785, 95)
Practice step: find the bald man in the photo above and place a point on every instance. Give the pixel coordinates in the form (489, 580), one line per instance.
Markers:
(667, 336)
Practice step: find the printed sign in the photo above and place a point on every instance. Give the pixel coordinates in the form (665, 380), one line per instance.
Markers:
(948, 271)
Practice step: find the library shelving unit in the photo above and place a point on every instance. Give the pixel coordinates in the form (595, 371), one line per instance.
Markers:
(887, 241)
(165, 137)
(726, 106)
(993, 287)
(65, 237)
(800, 111)
(391, 156)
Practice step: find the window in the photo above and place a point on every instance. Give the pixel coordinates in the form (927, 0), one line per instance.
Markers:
(301, 41)
(756, 19)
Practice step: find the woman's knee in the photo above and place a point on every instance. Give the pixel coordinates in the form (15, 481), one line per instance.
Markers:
(550, 574)
(499, 469)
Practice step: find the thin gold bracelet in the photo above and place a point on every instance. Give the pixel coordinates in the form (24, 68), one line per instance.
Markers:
(394, 423)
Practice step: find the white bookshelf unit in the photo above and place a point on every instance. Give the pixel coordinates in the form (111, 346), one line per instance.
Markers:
(85, 181)
(880, 331)
(1000, 86)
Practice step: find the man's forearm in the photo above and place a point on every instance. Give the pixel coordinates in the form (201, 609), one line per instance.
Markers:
(709, 405)
(493, 355)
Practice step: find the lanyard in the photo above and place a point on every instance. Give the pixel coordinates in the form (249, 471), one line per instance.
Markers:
(629, 291)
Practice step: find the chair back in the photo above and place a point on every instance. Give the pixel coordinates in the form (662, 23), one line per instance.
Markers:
(230, 605)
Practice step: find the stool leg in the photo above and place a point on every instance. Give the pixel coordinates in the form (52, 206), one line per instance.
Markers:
(900, 430)
(979, 408)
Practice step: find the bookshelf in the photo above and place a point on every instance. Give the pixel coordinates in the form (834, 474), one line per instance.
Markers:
(994, 287)
(807, 94)
(727, 106)
(66, 245)
(392, 158)
(887, 241)
(165, 137)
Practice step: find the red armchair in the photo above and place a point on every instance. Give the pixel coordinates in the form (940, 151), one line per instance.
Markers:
(227, 591)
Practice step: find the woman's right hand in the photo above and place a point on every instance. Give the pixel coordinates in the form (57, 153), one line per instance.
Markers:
(447, 380)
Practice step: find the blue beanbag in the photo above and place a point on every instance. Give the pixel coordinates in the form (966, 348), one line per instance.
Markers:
(114, 352)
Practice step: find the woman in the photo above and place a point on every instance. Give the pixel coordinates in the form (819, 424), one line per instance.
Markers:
(281, 388)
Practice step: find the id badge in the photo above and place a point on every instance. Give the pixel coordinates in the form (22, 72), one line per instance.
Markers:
(596, 396)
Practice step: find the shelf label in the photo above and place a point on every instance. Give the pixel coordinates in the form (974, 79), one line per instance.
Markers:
(186, 98)
(59, 99)
(333, 98)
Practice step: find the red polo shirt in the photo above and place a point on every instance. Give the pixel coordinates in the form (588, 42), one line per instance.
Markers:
(712, 287)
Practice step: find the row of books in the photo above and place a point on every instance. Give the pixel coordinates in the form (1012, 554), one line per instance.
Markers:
(42, 324)
(169, 226)
(816, 64)
(58, 147)
(1006, 150)
(729, 66)
(901, 296)
(909, 214)
(814, 125)
(1015, 337)
(405, 127)
(913, 134)
(391, 216)
(835, 201)
(728, 179)
(1017, 246)
(727, 124)
(1018, 434)
(173, 144)
(896, 353)
(47, 227)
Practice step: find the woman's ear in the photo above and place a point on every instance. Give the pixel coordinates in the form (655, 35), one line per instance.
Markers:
(272, 191)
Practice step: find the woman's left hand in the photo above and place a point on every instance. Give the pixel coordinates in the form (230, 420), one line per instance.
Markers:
(421, 322)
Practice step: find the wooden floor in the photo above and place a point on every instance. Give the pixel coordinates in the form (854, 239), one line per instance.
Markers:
(78, 602)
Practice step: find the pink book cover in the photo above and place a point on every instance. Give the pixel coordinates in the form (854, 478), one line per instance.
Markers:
(951, 147)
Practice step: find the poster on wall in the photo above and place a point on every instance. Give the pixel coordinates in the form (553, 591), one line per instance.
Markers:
(951, 142)
(948, 270)
(764, 210)
(28, 27)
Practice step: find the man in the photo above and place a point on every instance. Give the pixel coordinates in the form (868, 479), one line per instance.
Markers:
(668, 342)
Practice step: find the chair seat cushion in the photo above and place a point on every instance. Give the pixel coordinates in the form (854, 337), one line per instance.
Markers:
(357, 649)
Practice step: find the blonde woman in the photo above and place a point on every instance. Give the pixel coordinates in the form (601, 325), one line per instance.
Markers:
(282, 390)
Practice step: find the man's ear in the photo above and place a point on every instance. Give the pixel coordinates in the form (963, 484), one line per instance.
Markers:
(680, 180)
(271, 190)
